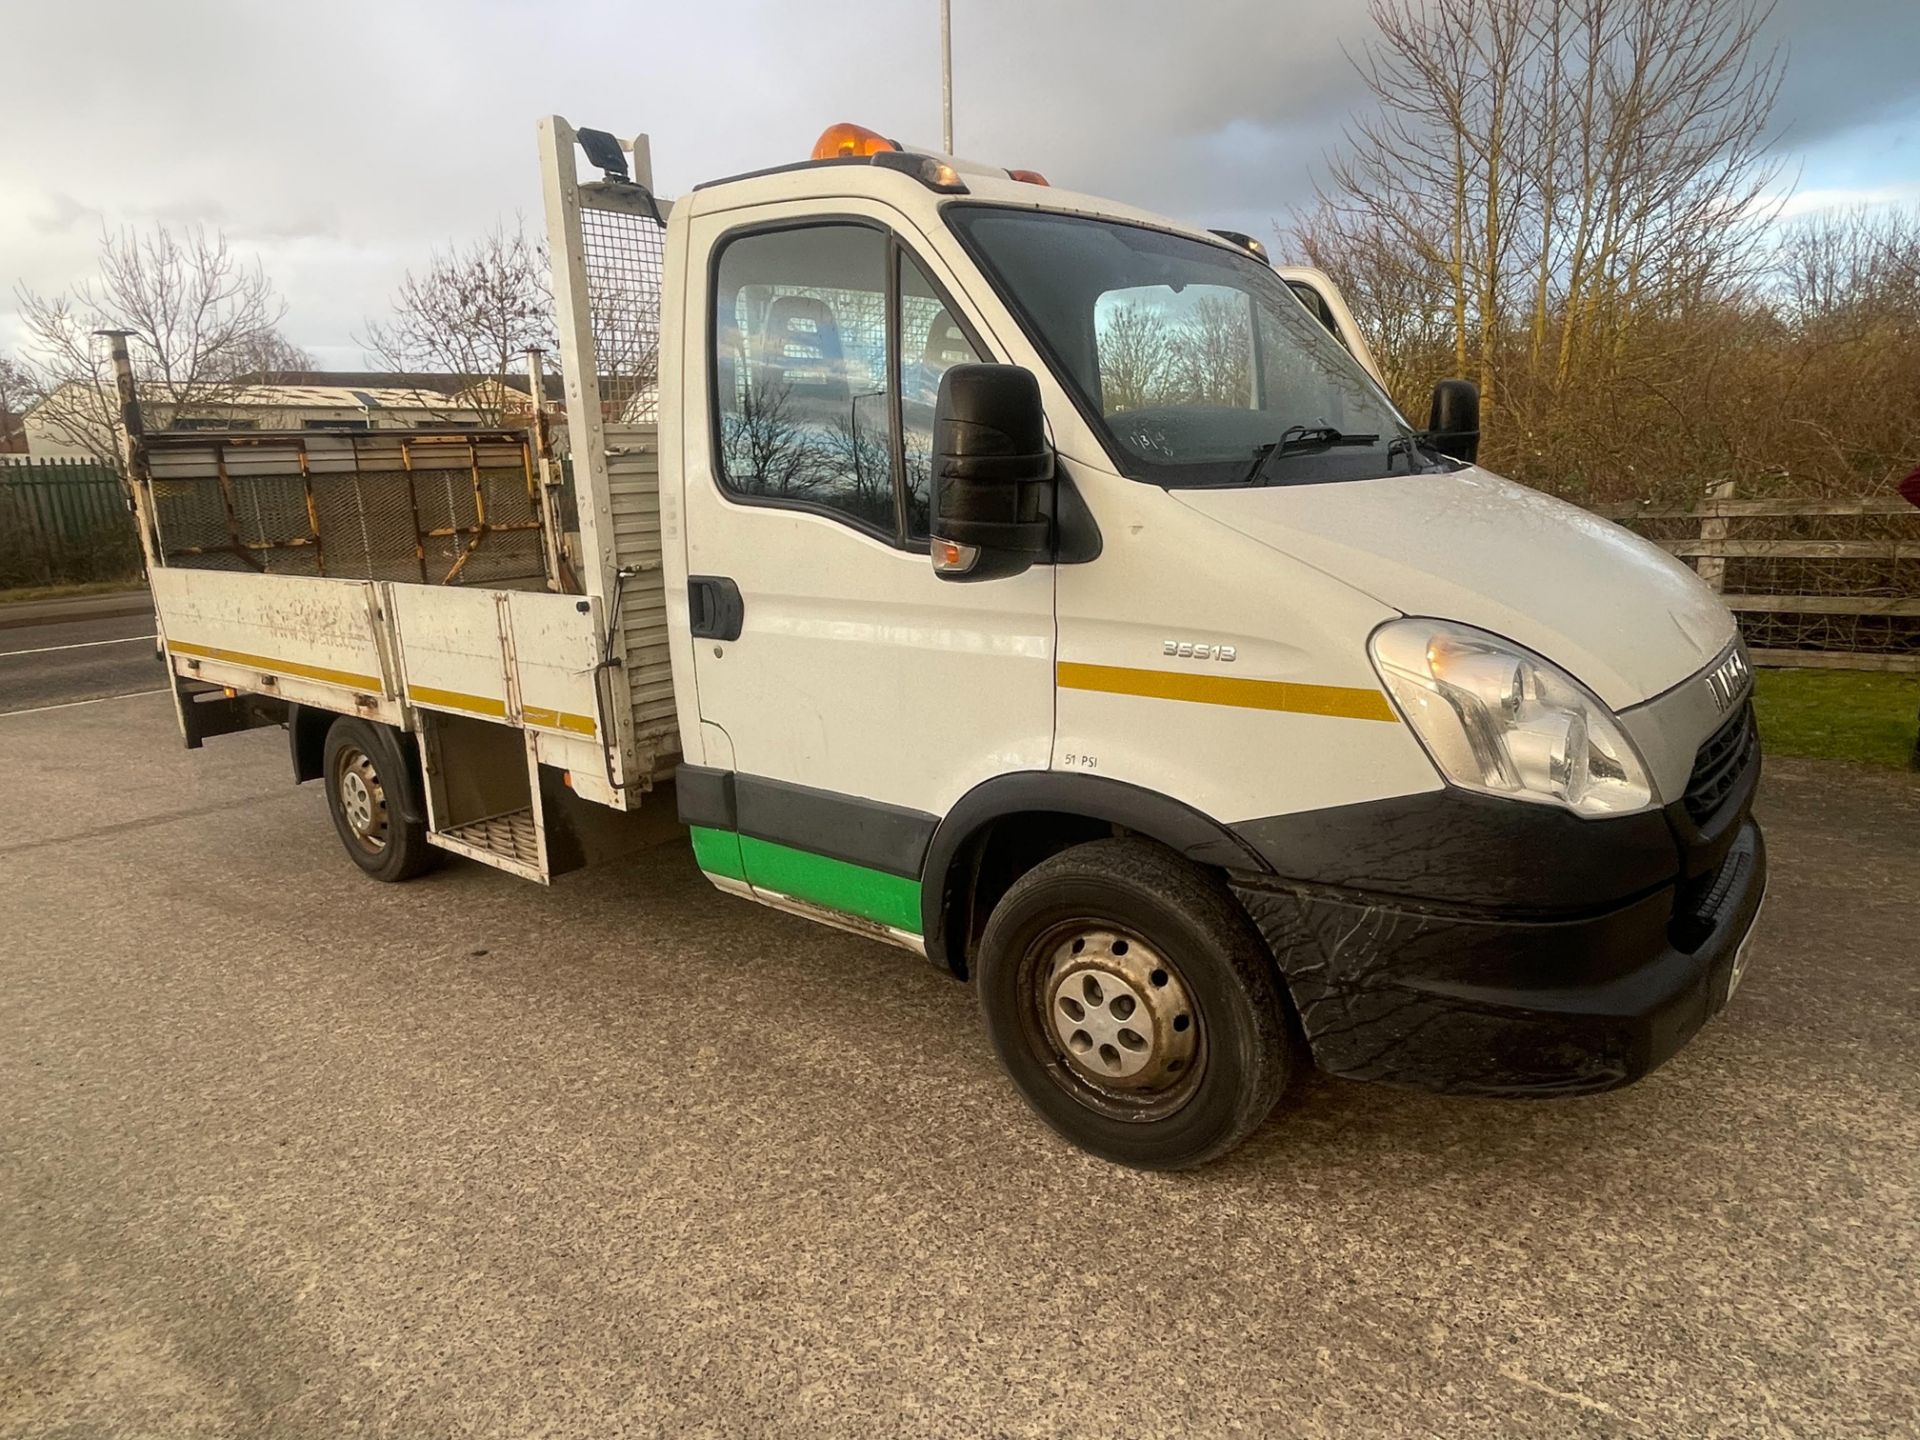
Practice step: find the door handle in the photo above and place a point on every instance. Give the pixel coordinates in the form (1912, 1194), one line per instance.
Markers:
(714, 608)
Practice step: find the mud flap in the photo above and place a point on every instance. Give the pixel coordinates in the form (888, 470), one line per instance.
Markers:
(209, 710)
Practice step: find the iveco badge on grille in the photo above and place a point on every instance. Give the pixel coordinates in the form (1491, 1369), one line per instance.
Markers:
(1727, 679)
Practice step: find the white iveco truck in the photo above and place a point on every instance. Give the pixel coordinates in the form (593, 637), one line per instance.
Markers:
(1043, 586)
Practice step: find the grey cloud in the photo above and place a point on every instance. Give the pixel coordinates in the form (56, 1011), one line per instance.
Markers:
(1850, 63)
(61, 214)
(344, 140)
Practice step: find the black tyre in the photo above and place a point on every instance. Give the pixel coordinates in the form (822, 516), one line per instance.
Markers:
(1134, 1005)
(363, 792)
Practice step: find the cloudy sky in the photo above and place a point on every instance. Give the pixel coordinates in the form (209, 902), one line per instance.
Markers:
(341, 139)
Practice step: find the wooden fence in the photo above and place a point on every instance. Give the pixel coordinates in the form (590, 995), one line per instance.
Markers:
(1821, 584)
(64, 521)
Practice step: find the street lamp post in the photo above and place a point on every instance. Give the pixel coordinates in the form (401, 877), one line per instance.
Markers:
(946, 76)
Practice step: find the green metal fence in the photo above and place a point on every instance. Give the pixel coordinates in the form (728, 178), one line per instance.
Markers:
(64, 521)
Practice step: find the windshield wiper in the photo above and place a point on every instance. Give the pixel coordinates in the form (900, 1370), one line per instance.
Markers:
(1411, 444)
(1297, 438)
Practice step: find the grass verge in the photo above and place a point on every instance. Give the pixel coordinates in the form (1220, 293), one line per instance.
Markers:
(1856, 715)
(64, 592)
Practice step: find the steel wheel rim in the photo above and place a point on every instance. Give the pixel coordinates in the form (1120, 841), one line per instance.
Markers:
(1114, 1019)
(363, 799)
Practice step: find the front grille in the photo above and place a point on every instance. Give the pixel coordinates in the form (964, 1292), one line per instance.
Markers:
(1698, 907)
(1720, 764)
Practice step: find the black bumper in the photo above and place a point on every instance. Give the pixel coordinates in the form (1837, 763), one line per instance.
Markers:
(1447, 997)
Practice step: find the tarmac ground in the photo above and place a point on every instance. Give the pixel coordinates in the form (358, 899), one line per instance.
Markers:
(284, 1152)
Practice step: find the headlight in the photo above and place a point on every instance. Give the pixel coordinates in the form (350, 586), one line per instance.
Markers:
(1498, 719)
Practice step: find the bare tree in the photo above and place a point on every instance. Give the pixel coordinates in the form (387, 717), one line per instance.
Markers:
(1834, 367)
(854, 459)
(16, 394)
(271, 358)
(1136, 358)
(1212, 353)
(200, 317)
(767, 451)
(1401, 298)
(1859, 262)
(472, 313)
(1557, 174)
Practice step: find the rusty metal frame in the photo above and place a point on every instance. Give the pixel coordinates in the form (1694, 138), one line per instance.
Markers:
(411, 444)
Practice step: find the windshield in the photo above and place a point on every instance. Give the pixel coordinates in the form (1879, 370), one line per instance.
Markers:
(1192, 360)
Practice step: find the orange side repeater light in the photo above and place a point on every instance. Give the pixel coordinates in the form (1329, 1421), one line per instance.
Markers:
(1029, 177)
(847, 141)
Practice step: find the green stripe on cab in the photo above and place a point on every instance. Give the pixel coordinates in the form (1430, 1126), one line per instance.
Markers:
(718, 852)
(891, 900)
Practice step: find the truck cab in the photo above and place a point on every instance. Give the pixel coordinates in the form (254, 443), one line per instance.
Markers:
(1472, 766)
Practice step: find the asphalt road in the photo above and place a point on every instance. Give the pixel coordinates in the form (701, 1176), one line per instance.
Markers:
(82, 656)
(287, 1153)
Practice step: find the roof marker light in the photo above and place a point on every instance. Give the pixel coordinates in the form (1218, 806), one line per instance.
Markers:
(1028, 177)
(847, 141)
(930, 172)
(1246, 242)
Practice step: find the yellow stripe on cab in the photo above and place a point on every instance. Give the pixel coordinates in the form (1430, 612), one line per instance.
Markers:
(1345, 702)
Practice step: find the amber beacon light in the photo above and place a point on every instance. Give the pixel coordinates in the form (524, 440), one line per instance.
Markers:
(847, 141)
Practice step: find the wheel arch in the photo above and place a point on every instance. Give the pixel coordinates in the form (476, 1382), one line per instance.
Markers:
(1005, 825)
(307, 729)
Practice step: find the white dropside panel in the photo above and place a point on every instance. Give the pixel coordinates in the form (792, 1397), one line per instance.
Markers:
(555, 647)
(453, 648)
(515, 657)
(310, 640)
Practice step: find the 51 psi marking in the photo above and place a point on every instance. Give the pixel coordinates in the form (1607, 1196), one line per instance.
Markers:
(1071, 761)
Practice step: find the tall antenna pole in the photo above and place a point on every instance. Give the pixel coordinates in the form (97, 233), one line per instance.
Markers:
(946, 76)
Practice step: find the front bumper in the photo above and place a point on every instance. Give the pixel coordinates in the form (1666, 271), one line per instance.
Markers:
(1447, 997)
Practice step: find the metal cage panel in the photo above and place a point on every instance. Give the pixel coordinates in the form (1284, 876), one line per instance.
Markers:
(429, 506)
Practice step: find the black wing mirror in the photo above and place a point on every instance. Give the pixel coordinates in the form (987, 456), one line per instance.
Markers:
(1453, 425)
(991, 468)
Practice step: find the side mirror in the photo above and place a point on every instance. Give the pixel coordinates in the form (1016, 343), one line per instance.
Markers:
(1453, 425)
(991, 467)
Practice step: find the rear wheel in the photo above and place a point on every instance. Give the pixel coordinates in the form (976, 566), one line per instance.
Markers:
(363, 794)
(1133, 1005)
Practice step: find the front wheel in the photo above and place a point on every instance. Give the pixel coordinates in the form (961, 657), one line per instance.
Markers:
(363, 794)
(1133, 1005)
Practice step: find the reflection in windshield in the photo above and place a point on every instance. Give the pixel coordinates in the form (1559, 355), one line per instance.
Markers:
(1190, 358)
(1159, 346)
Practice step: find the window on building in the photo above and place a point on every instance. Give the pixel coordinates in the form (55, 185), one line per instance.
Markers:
(212, 422)
(336, 424)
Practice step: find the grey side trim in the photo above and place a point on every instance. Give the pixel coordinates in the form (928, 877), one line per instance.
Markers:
(872, 833)
(705, 797)
(890, 838)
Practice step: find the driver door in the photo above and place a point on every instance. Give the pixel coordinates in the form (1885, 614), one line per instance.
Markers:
(854, 696)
